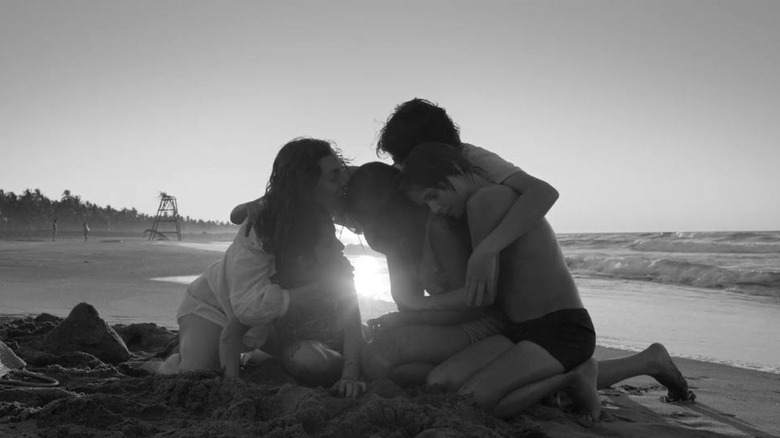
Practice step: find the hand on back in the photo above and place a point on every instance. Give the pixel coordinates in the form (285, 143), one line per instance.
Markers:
(252, 210)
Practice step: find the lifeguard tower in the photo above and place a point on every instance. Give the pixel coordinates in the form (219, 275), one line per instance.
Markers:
(167, 212)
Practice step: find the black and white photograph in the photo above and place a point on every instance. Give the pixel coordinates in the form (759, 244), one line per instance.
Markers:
(423, 219)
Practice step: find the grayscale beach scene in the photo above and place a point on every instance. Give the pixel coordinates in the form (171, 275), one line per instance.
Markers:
(389, 219)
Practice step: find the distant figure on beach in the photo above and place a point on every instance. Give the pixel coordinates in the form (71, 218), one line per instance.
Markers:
(54, 230)
(408, 344)
(85, 228)
(283, 285)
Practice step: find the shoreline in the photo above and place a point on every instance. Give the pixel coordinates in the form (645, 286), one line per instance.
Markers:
(602, 350)
(110, 274)
(751, 395)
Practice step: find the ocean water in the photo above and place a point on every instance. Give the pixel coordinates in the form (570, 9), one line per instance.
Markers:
(740, 262)
(712, 296)
(708, 296)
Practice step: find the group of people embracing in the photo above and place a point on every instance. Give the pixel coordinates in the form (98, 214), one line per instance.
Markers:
(486, 305)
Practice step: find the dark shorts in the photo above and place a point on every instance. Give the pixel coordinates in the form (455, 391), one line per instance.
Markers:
(568, 335)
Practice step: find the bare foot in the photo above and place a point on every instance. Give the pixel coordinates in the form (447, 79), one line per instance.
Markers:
(581, 388)
(667, 374)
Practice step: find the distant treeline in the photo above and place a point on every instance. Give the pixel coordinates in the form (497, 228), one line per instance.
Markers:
(32, 211)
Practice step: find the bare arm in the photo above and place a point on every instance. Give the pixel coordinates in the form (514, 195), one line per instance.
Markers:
(485, 210)
(535, 199)
(451, 301)
(240, 212)
(410, 298)
(408, 294)
(353, 340)
(404, 285)
(350, 385)
(437, 317)
(230, 346)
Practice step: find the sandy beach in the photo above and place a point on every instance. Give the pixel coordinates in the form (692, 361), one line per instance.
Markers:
(41, 282)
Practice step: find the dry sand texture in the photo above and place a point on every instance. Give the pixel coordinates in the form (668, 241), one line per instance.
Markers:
(102, 398)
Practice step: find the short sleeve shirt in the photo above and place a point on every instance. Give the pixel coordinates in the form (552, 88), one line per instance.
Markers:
(492, 166)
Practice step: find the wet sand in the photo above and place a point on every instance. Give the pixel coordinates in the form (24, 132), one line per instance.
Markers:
(103, 399)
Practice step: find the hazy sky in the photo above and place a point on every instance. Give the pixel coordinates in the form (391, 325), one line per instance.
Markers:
(645, 115)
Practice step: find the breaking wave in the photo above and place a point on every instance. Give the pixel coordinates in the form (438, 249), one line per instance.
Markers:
(680, 272)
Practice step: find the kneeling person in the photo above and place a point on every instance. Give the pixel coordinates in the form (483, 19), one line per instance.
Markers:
(550, 338)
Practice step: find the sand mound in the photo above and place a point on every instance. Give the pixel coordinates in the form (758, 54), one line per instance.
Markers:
(83, 330)
(99, 398)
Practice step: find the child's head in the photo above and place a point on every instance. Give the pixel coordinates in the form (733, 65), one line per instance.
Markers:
(414, 122)
(430, 164)
(370, 190)
(374, 202)
(437, 175)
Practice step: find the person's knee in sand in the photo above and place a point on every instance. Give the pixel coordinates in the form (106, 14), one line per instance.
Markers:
(387, 220)
(549, 327)
(195, 351)
(653, 361)
(507, 376)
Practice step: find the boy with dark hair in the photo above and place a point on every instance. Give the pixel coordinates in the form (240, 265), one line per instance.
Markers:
(418, 121)
(550, 338)
(410, 343)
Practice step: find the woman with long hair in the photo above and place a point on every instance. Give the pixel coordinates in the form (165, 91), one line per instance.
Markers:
(283, 285)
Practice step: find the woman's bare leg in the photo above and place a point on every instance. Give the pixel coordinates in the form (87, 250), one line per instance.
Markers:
(456, 370)
(411, 344)
(198, 348)
(522, 364)
(579, 383)
(412, 373)
(520, 373)
(198, 343)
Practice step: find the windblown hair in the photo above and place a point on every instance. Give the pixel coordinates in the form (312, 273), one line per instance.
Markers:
(291, 221)
(429, 165)
(414, 122)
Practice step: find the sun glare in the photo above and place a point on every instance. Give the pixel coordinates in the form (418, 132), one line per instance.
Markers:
(371, 278)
